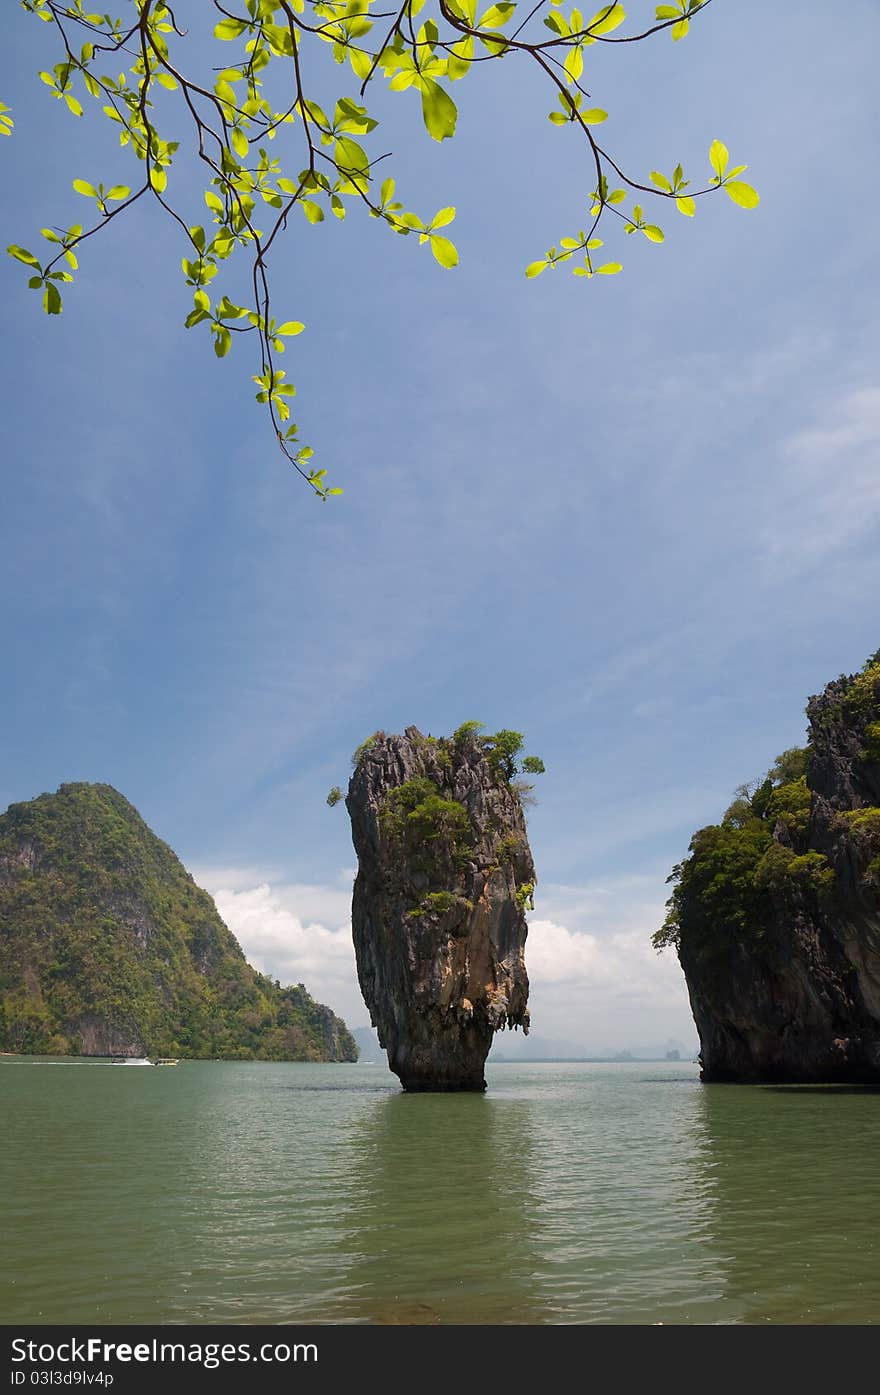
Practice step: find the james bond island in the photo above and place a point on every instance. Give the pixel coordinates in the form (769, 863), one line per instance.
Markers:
(445, 875)
(776, 912)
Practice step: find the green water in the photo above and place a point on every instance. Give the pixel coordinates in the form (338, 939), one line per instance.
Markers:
(246, 1193)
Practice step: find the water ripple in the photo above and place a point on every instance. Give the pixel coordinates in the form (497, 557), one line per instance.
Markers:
(576, 1193)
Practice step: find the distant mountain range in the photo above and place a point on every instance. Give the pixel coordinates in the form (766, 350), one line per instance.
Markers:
(108, 947)
(513, 1046)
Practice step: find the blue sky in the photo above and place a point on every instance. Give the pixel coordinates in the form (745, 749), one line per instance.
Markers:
(636, 519)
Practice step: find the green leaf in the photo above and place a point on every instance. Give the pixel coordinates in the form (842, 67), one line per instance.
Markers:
(361, 62)
(661, 181)
(685, 204)
(22, 255)
(313, 211)
(83, 187)
(460, 57)
(77, 110)
(229, 28)
(444, 217)
(118, 192)
(158, 178)
(558, 24)
(535, 268)
(290, 327)
(609, 269)
(574, 63)
(439, 111)
(495, 17)
(445, 252)
(606, 19)
(351, 158)
(51, 299)
(742, 193)
(718, 157)
(594, 116)
(280, 39)
(653, 233)
(240, 142)
(679, 30)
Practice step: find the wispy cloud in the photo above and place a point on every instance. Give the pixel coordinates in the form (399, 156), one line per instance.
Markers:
(828, 496)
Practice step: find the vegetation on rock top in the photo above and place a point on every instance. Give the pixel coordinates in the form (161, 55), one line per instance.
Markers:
(758, 859)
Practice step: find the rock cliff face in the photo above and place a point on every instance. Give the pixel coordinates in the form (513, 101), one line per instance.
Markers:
(108, 948)
(776, 913)
(438, 913)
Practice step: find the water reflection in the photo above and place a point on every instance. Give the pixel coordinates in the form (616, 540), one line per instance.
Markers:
(796, 1216)
(626, 1197)
(441, 1226)
(570, 1193)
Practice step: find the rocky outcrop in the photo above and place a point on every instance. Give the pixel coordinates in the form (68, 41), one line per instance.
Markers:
(438, 913)
(776, 912)
(107, 947)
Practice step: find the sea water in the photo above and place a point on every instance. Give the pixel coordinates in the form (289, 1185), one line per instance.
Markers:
(568, 1193)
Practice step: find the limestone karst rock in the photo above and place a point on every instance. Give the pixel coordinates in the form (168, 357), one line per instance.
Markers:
(108, 947)
(776, 912)
(438, 913)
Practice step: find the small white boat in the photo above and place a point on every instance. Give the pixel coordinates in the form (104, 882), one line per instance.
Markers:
(131, 1061)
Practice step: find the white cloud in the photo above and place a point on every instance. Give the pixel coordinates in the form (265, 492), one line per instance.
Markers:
(604, 992)
(595, 977)
(295, 932)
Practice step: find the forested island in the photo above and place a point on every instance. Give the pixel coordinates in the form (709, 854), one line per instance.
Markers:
(775, 913)
(108, 947)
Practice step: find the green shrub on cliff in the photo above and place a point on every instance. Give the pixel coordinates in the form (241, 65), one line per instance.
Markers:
(417, 812)
(502, 750)
(737, 871)
(364, 747)
(758, 859)
(853, 700)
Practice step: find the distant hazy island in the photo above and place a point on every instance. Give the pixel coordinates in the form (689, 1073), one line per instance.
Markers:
(108, 947)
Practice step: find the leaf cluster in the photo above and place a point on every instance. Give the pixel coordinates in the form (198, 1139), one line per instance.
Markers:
(272, 154)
